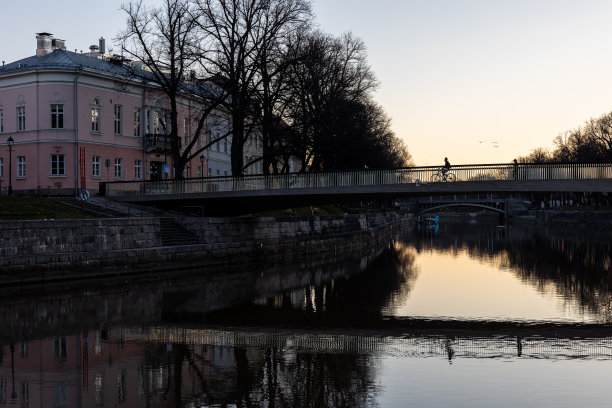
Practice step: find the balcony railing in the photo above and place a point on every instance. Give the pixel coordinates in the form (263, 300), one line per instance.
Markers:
(160, 143)
(418, 175)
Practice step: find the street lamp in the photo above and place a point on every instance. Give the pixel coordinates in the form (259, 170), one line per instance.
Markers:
(10, 142)
(202, 158)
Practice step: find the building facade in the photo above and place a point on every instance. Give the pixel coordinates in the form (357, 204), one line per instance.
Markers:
(77, 119)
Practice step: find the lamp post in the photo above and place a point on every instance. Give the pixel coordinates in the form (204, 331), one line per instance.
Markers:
(10, 142)
(202, 158)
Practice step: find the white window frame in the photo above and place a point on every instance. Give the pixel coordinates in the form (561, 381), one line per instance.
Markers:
(117, 117)
(57, 116)
(95, 115)
(137, 169)
(21, 118)
(21, 167)
(118, 167)
(137, 121)
(96, 166)
(58, 165)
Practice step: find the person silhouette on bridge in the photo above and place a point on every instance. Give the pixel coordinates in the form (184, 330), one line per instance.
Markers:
(446, 167)
(515, 169)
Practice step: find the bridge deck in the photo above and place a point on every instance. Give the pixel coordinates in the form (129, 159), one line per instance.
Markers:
(308, 188)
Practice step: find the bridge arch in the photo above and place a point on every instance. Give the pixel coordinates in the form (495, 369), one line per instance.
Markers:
(459, 204)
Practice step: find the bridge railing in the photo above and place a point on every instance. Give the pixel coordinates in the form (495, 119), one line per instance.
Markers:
(354, 178)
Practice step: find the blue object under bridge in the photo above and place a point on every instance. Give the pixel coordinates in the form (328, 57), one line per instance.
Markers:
(235, 195)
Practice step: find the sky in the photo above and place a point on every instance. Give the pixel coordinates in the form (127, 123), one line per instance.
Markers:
(477, 81)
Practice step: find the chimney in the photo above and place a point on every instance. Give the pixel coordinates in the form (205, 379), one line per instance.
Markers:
(102, 43)
(93, 49)
(43, 44)
(57, 44)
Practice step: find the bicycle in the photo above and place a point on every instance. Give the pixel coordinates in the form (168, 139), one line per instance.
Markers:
(443, 176)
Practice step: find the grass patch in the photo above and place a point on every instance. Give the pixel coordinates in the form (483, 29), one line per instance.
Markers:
(37, 208)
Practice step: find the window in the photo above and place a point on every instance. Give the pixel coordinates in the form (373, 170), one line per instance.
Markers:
(148, 120)
(60, 348)
(21, 166)
(61, 394)
(1, 167)
(95, 115)
(23, 349)
(121, 385)
(118, 167)
(21, 124)
(137, 169)
(167, 124)
(1, 121)
(57, 116)
(186, 131)
(57, 165)
(156, 121)
(136, 121)
(95, 166)
(225, 145)
(117, 119)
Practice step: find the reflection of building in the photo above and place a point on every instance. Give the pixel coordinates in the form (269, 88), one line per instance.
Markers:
(91, 370)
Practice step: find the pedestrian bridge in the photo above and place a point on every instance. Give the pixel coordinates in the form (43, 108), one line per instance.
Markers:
(299, 189)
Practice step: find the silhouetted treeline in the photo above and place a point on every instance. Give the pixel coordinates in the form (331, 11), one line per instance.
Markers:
(590, 143)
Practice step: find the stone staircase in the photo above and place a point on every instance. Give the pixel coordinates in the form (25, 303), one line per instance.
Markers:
(172, 233)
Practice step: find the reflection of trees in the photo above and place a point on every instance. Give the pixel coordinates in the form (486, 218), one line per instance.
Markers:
(575, 264)
(272, 376)
(354, 297)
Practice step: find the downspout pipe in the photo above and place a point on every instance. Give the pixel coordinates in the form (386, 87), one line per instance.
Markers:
(78, 74)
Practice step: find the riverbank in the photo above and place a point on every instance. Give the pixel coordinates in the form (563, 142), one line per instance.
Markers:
(49, 250)
(591, 218)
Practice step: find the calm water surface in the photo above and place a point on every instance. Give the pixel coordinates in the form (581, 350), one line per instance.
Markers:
(467, 314)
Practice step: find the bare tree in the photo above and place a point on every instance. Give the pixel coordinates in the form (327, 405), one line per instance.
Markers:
(240, 34)
(167, 43)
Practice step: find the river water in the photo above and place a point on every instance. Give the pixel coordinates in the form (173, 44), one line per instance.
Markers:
(465, 314)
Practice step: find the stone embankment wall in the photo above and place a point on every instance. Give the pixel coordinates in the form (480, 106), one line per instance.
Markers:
(45, 250)
(597, 219)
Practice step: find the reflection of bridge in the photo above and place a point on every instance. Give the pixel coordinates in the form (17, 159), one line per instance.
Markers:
(465, 346)
(298, 189)
(499, 205)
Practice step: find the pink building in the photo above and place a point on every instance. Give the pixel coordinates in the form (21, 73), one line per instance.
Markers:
(78, 119)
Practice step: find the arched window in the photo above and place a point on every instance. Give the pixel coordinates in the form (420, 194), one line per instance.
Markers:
(95, 115)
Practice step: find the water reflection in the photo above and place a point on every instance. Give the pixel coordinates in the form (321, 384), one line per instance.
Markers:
(570, 265)
(319, 333)
(178, 366)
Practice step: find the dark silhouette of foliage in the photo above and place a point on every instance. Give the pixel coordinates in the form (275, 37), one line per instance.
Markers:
(590, 143)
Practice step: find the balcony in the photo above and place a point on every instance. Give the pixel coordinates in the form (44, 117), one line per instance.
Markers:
(160, 143)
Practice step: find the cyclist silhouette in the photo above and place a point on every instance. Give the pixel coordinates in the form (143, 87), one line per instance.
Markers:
(446, 167)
